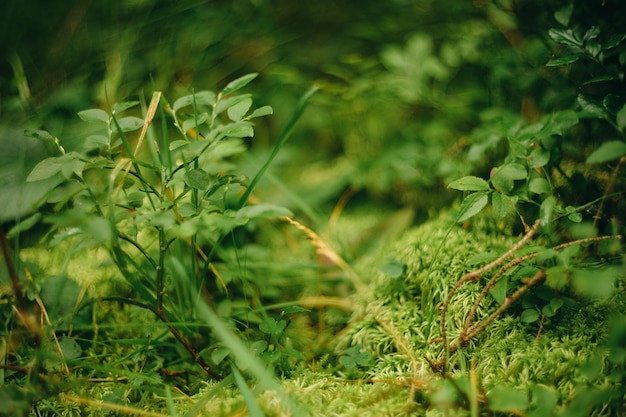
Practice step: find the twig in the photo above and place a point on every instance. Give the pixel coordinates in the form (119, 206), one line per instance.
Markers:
(474, 276)
(175, 332)
(492, 283)
(477, 328)
(21, 306)
(471, 330)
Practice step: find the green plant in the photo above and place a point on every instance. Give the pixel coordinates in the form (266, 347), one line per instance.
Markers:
(542, 177)
(162, 203)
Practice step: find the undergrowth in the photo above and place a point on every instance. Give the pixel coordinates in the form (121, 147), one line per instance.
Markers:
(156, 267)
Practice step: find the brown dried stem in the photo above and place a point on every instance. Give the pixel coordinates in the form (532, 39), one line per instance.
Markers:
(471, 327)
(474, 276)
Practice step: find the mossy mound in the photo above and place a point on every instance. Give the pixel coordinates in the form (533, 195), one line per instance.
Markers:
(398, 320)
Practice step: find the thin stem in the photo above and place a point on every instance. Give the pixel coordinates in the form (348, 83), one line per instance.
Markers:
(470, 331)
(139, 248)
(492, 283)
(162, 315)
(477, 328)
(474, 276)
(609, 188)
(160, 271)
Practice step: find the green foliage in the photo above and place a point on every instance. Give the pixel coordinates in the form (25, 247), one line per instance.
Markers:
(543, 159)
(161, 205)
(519, 105)
(356, 358)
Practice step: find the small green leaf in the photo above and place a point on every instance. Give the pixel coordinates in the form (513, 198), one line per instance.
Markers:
(557, 277)
(539, 158)
(239, 110)
(591, 107)
(178, 144)
(550, 309)
(503, 205)
(229, 102)
(94, 115)
(295, 310)
(596, 283)
(356, 355)
(539, 186)
(469, 183)
(39, 134)
(505, 175)
(562, 121)
(498, 292)
(506, 399)
(530, 315)
(71, 163)
(566, 37)
(239, 83)
(191, 123)
(70, 348)
(563, 14)
(547, 209)
(219, 354)
(543, 401)
(96, 142)
(44, 169)
(565, 60)
(120, 107)
(206, 98)
(575, 217)
(238, 130)
(261, 111)
(135, 199)
(608, 151)
(472, 205)
(481, 258)
(258, 347)
(198, 179)
(67, 164)
(620, 118)
(272, 327)
(24, 225)
(128, 124)
(393, 268)
(100, 229)
(347, 361)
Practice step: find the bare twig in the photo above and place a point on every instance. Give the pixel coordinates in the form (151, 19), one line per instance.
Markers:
(474, 276)
(21, 305)
(471, 328)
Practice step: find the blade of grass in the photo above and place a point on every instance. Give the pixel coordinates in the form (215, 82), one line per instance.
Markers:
(208, 395)
(282, 138)
(284, 135)
(298, 201)
(248, 396)
(171, 408)
(244, 357)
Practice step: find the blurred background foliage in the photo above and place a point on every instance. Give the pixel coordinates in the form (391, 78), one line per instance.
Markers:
(404, 83)
(413, 94)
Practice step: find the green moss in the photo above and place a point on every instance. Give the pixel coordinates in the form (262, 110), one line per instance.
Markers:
(398, 319)
(318, 393)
